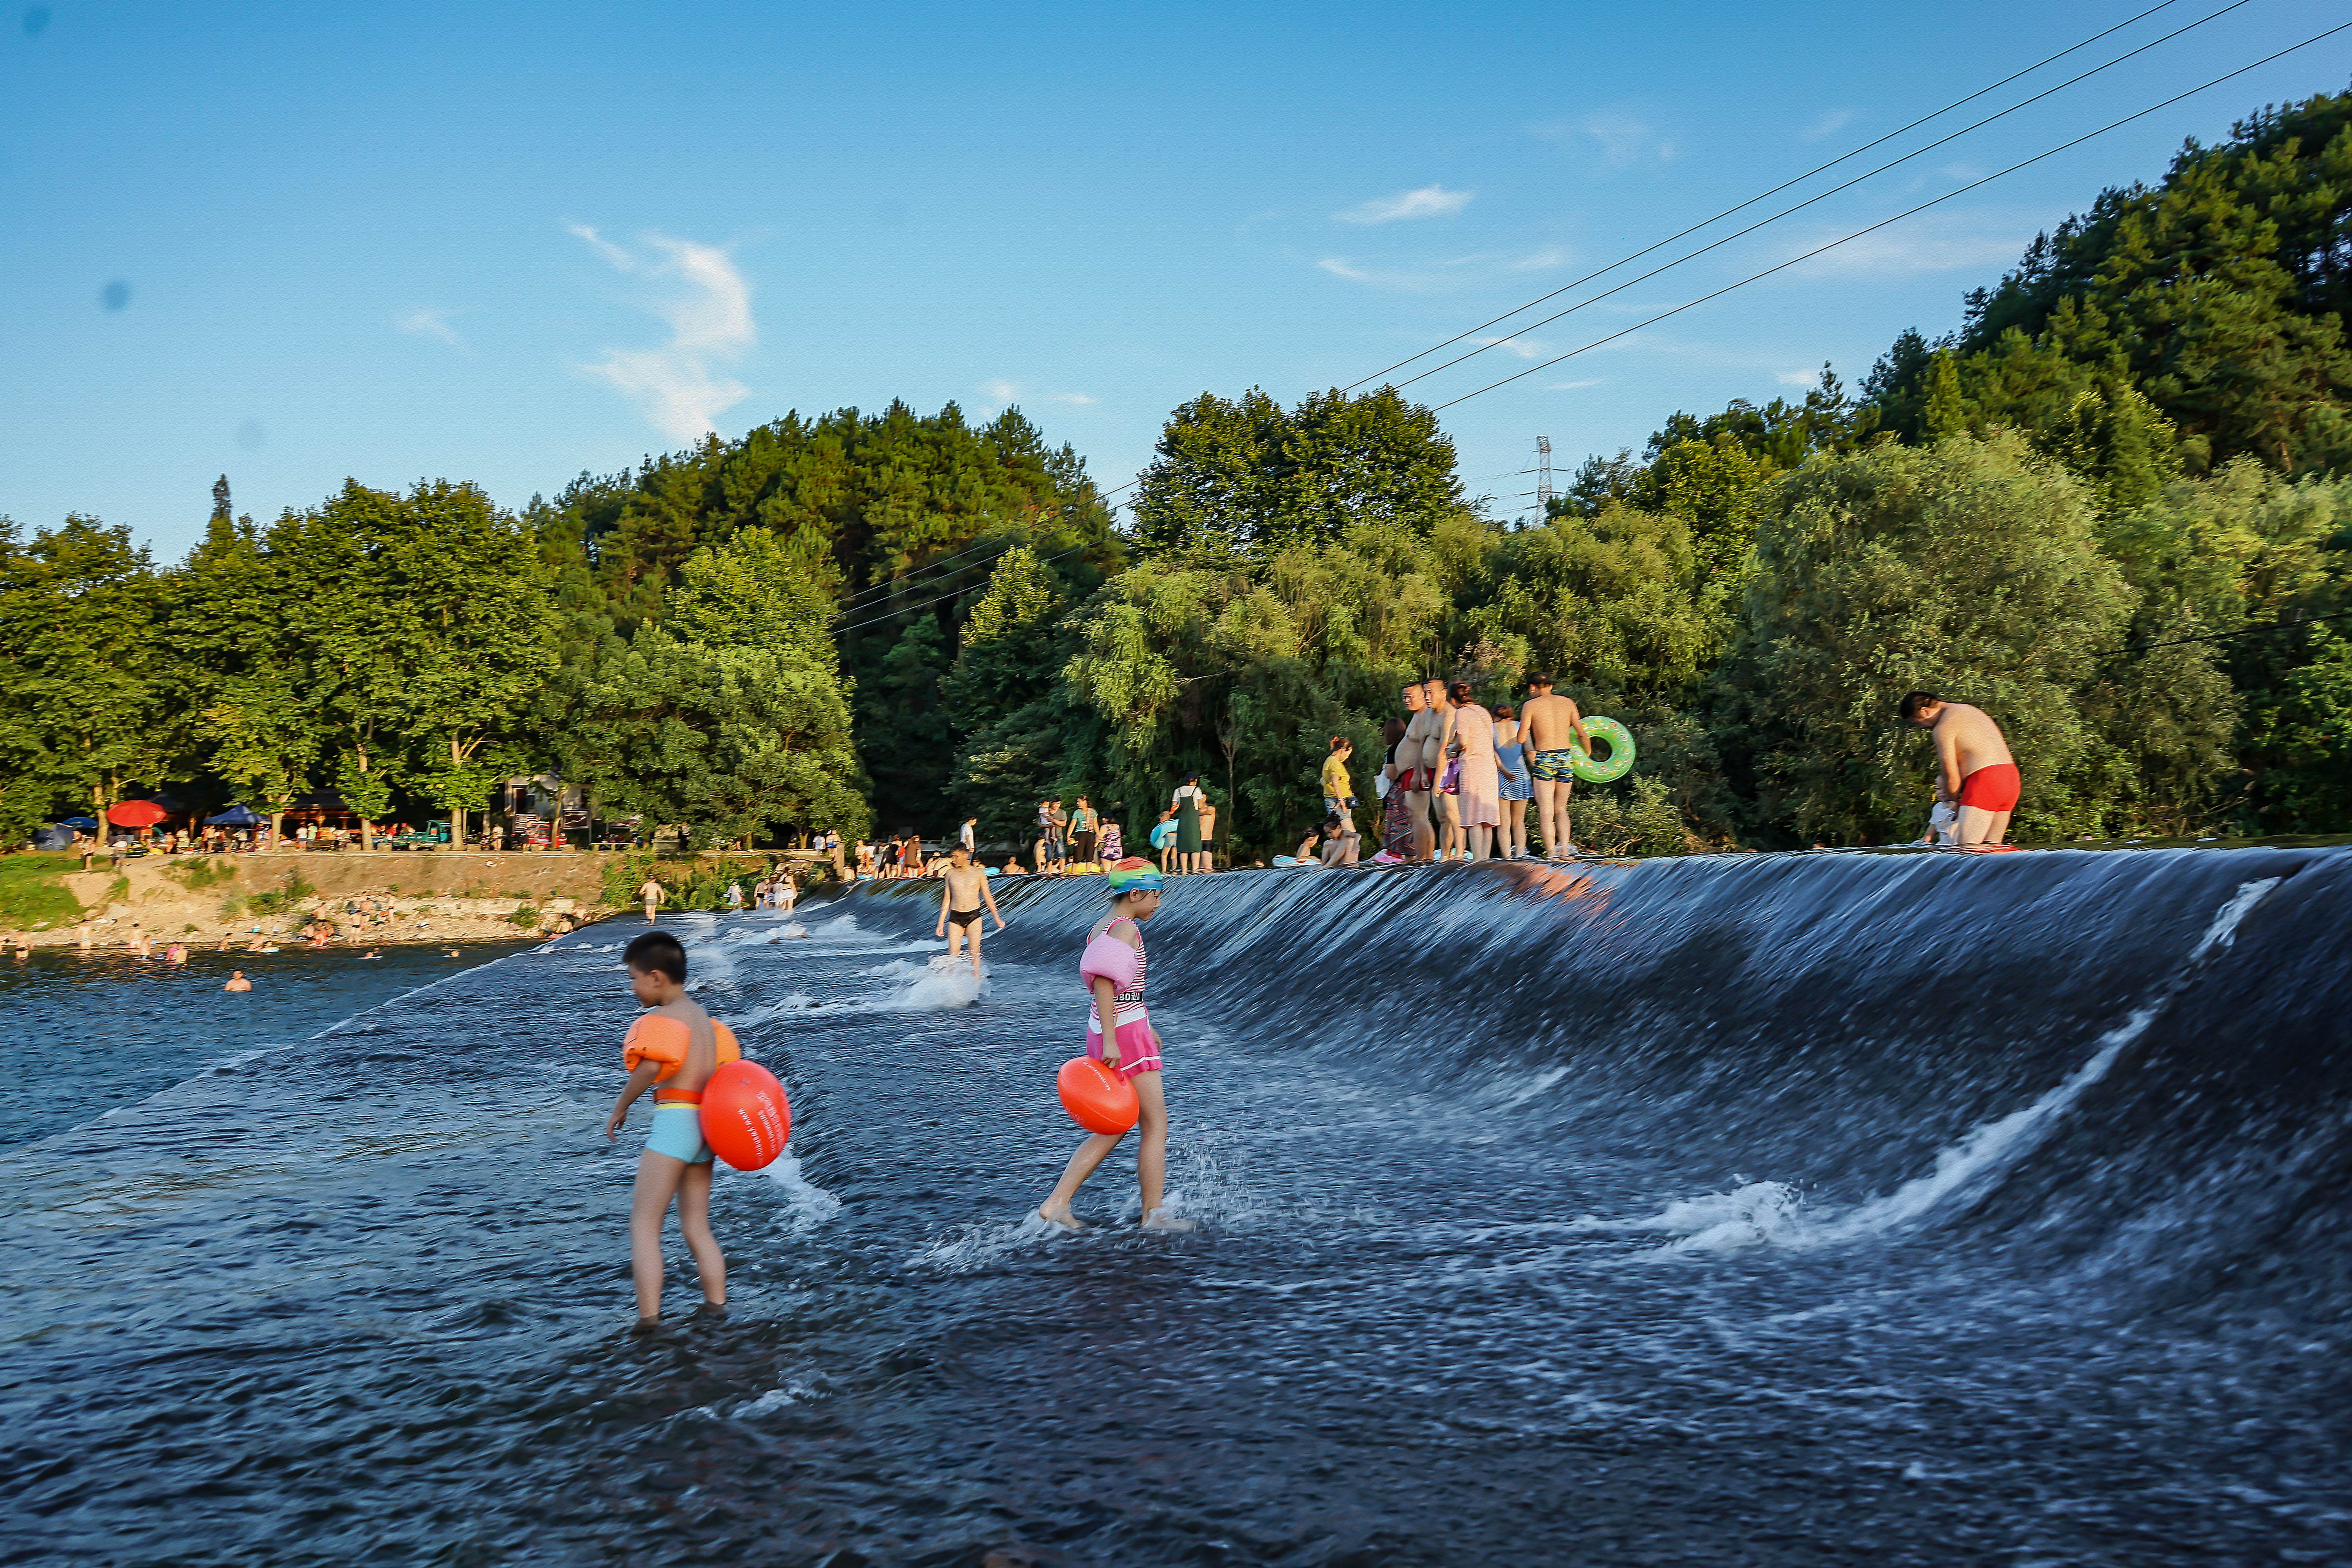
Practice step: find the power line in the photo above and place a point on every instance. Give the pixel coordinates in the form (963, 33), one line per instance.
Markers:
(935, 568)
(1809, 201)
(944, 564)
(1899, 217)
(954, 593)
(2241, 632)
(851, 606)
(1776, 190)
(927, 567)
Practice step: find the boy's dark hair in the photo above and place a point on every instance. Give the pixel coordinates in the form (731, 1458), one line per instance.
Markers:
(1914, 701)
(1539, 679)
(657, 952)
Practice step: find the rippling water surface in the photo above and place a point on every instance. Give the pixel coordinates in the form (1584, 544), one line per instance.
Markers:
(1791, 1210)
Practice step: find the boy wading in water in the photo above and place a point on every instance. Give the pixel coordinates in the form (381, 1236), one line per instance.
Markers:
(678, 1045)
(1119, 1033)
(960, 904)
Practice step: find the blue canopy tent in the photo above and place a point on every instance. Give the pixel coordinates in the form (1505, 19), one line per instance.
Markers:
(84, 823)
(235, 817)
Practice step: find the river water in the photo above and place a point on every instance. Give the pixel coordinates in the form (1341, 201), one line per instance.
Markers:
(1867, 1208)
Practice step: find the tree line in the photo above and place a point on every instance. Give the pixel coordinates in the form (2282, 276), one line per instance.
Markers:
(2104, 507)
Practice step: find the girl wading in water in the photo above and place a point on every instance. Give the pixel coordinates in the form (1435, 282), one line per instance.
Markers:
(1119, 1033)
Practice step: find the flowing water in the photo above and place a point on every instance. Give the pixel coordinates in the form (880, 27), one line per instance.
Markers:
(1803, 1209)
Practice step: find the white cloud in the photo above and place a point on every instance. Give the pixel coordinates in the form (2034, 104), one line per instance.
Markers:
(708, 305)
(1521, 348)
(1575, 386)
(1449, 272)
(427, 321)
(1835, 120)
(1000, 391)
(1429, 201)
(1797, 377)
(1623, 141)
(1953, 243)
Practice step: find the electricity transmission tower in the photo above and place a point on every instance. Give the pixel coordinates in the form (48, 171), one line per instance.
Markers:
(1543, 474)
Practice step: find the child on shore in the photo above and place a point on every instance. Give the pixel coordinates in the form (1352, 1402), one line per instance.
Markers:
(678, 1045)
(1119, 1033)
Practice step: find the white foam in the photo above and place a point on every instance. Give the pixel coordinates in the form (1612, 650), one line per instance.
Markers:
(1773, 1213)
(775, 1399)
(810, 1206)
(976, 1247)
(2223, 931)
(924, 988)
(797, 1002)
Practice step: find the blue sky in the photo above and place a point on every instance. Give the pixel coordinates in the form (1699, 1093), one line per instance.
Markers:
(510, 242)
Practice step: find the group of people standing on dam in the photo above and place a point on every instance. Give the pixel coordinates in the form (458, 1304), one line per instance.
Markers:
(1459, 780)
(1459, 777)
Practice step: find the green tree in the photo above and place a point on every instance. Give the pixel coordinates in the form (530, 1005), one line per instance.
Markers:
(1248, 476)
(265, 738)
(1970, 568)
(80, 611)
(726, 742)
(440, 634)
(752, 590)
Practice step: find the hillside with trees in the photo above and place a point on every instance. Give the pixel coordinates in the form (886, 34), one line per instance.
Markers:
(2108, 505)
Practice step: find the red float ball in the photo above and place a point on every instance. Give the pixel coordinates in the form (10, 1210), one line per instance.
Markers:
(1097, 1099)
(746, 1119)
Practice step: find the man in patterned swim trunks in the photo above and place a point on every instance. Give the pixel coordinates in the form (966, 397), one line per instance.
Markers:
(1552, 726)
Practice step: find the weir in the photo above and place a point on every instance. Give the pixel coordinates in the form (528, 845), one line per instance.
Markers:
(1885, 1207)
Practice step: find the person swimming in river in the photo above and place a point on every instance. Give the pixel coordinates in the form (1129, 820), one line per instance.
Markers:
(960, 904)
(678, 1045)
(1120, 1035)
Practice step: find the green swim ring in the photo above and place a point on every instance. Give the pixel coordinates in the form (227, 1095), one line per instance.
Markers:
(1617, 739)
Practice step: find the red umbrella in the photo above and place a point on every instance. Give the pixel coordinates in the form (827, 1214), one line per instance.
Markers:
(136, 814)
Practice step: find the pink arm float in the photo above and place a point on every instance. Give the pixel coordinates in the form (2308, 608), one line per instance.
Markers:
(1107, 958)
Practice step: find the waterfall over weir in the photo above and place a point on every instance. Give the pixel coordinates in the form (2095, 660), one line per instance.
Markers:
(1871, 1208)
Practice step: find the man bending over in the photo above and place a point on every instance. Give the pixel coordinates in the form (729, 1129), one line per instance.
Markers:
(1976, 770)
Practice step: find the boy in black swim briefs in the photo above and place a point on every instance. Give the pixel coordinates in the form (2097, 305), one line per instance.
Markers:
(961, 903)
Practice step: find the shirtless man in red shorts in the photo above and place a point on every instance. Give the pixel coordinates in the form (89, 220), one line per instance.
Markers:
(1979, 772)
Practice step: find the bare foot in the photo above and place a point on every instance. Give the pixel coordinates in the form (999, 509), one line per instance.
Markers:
(1061, 1216)
(1161, 1219)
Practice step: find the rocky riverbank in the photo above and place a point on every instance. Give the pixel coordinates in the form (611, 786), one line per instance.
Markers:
(383, 897)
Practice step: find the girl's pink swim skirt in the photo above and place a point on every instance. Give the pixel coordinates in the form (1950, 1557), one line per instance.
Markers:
(1136, 1052)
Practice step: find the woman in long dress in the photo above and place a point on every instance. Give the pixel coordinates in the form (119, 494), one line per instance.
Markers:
(1470, 729)
(1188, 803)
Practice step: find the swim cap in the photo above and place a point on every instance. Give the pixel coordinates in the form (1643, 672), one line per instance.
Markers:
(1133, 874)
